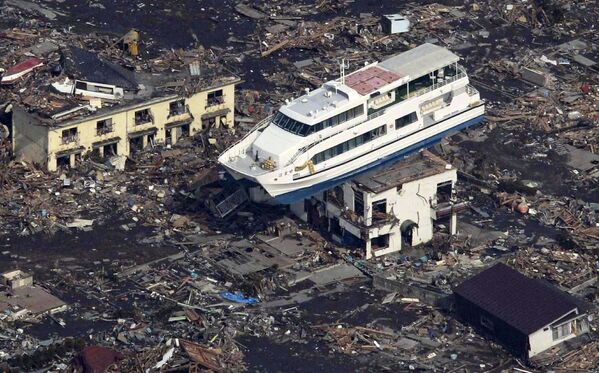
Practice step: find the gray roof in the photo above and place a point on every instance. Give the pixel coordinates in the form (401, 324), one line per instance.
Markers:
(416, 166)
(420, 60)
(316, 100)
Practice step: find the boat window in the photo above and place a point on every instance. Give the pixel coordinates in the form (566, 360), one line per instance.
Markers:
(349, 144)
(350, 114)
(302, 129)
(405, 120)
(291, 125)
(343, 117)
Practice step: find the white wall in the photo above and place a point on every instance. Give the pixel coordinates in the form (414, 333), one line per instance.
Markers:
(411, 202)
(542, 339)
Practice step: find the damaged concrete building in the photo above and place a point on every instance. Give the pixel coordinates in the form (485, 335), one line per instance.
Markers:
(388, 208)
(107, 110)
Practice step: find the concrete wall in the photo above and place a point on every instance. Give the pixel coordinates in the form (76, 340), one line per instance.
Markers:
(29, 140)
(42, 144)
(412, 202)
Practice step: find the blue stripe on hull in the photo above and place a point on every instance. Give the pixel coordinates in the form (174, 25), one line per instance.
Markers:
(301, 194)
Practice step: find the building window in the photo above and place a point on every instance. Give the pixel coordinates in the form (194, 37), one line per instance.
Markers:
(380, 242)
(143, 116)
(359, 203)
(444, 192)
(405, 120)
(176, 108)
(104, 126)
(379, 210)
(486, 322)
(561, 331)
(216, 98)
(69, 135)
(380, 206)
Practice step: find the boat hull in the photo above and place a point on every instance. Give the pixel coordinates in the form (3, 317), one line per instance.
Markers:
(305, 192)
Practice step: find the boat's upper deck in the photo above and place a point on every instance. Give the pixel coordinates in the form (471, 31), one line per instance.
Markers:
(420, 61)
(337, 96)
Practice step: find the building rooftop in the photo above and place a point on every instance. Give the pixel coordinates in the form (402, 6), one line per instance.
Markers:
(420, 61)
(416, 166)
(47, 90)
(524, 303)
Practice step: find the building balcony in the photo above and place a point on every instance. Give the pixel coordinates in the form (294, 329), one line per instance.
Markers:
(378, 220)
(445, 209)
(104, 130)
(68, 141)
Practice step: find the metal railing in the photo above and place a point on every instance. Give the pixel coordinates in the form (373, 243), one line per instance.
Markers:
(257, 127)
(471, 90)
(215, 101)
(304, 149)
(71, 139)
(461, 74)
(104, 130)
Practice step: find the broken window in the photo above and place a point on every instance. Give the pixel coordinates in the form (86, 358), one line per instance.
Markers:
(380, 242)
(421, 83)
(379, 210)
(63, 162)
(444, 191)
(216, 98)
(561, 331)
(69, 135)
(176, 108)
(335, 227)
(359, 203)
(104, 126)
(336, 195)
(143, 116)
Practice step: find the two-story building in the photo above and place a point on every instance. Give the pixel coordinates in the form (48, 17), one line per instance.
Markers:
(118, 112)
(388, 208)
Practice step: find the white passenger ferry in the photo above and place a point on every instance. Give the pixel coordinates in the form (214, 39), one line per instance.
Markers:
(380, 112)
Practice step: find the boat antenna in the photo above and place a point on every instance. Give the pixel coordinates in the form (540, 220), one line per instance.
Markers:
(342, 68)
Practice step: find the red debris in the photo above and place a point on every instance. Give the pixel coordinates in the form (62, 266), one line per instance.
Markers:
(11, 75)
(96, 359)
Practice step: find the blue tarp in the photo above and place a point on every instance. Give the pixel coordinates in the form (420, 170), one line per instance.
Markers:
(238, 297)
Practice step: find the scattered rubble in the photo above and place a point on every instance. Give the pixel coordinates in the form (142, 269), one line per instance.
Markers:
(205, 271)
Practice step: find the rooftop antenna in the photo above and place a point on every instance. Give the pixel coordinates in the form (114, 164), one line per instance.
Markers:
(342, 68)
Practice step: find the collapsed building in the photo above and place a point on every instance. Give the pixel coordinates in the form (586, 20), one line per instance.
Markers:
(388, 208)
(98, 107)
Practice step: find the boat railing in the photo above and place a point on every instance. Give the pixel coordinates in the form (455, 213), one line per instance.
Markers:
(448, 80)
(461, 74)
(471, 90)
(257, 127)
(304, 149)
